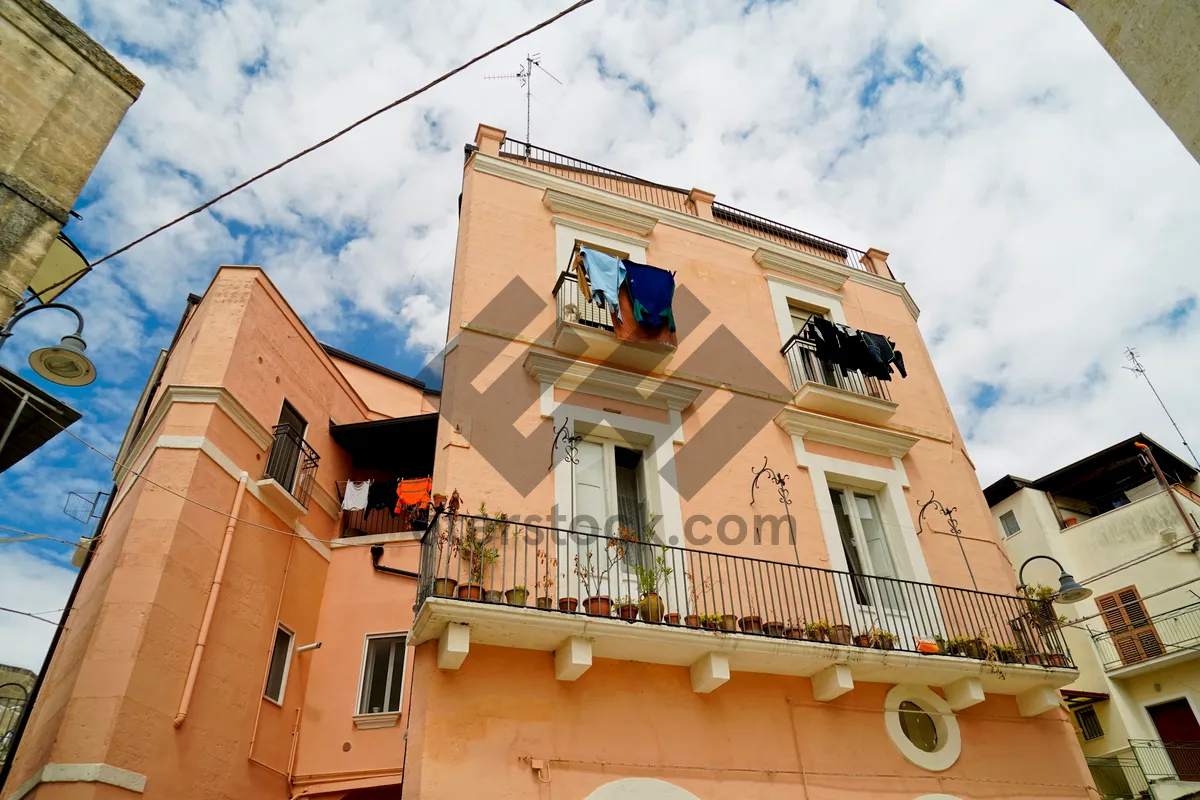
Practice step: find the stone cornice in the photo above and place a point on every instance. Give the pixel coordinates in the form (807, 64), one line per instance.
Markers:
(84, 45)
(585, 227)
(843, 433)
(596, 210)
(509, 170)
(800, 265)
(616, 384)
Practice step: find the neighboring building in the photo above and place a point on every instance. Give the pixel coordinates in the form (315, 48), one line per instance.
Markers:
(61, 99)
(1156, 43)
(1130, 536)
(458, 661)
(15, 683)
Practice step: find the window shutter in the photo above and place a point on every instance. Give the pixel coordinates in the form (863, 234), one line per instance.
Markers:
(1133, 634)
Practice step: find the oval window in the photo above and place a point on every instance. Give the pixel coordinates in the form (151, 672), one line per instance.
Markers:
(918, 726)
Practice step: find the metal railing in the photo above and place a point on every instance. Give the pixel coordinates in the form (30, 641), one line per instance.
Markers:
(480, 559)
(292, 463)
(788, 236)
(370, 521)
(803, 366)
(1171, 632)
(1118, 778)
(572, 307)
(1176, 761)
(13, 697)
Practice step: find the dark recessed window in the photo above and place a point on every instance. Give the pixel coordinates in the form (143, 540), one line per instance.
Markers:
(1089, 723)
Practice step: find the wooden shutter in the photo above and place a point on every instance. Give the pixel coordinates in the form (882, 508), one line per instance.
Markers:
(1133, 633)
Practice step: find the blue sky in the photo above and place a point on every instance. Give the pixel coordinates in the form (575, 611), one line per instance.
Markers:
(1039, 211)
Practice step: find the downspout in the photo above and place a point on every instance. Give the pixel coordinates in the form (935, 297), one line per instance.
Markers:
(377, 553)
(213, 594)
(1162, 479)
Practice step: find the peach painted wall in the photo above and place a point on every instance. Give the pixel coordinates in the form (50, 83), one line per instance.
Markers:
(385, 397)
(758, 736)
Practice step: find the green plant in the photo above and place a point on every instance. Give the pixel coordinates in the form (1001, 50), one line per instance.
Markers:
(1008, 653)
(820, 629)
(476, 546)
(545, 580)
(651, 576)
(712, 619)
(881, 639)
(519, 588)
(626, 600)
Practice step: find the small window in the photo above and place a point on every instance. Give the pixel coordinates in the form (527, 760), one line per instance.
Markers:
(383, 675)
(281, 657)
(918, 726)
(1089, 723)
(1009, 520)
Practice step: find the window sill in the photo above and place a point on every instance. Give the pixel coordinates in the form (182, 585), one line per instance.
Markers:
(366, 722)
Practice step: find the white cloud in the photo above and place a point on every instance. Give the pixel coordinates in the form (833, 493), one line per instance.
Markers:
(34, 584)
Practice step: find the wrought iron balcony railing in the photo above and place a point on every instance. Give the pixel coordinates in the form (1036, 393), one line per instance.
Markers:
(1167, 760)
(804, 366)
(477, 559)
(1171, 632)
(1118, 777)
(568, 298)
(292, 463)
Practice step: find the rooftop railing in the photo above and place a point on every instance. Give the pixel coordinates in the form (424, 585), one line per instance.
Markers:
(1171, 632)
(1167, 760)
(557, 571)
(292, 463)
(804, 366)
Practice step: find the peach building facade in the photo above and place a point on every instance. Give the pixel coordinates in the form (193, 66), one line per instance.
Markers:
(711, 578)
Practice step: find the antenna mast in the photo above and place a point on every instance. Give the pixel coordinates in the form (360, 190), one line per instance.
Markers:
(1138, 369)
(525, 76)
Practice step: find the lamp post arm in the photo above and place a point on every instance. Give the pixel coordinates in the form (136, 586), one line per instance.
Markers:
(1021, 573)
(6, 331)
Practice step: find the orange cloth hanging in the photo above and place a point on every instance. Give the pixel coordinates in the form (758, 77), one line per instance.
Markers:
(412, 492)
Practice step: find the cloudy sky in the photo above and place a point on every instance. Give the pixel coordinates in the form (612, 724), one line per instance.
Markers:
(1040, 212)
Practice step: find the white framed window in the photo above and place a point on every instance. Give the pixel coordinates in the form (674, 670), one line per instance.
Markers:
(922, 726)
(864, 541)
(281, 660)
(381, 688)
(1008, 520)
(610, 490)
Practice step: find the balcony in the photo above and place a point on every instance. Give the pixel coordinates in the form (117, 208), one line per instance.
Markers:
(585, 329)
(1139, 648)
(824, 388)
(582, 595)
(1118, 778)
(287, 481)
(379, 522)
(1169, 761)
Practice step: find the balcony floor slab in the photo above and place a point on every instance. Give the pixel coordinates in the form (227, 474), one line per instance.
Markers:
(546, 630)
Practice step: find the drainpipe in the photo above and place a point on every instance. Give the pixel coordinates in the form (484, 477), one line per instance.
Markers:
(213, 594)
(377, 553)
(1187, 522)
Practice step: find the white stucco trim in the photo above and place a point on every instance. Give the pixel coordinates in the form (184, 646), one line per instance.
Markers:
(603, 381)
(843, 433)
(83, 773)
(590, 208)
(949, 744)
(513, 171)
(800, 265)
(784, 290)
(568, 231)
(888, 486)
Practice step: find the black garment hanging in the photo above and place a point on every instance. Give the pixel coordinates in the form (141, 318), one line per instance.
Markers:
(382, 494)
(827, 338)
(881, 354)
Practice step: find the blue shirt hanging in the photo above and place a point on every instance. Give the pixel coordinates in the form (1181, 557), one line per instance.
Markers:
(605, 275)
(652, 290)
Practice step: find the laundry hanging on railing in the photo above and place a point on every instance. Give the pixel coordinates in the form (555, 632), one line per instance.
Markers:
(356, 495)
(414, 493)
(651, 291)
(604, 274)
(382, 494)
(872, 354)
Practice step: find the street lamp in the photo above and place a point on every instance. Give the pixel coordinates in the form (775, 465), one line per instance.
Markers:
(65, 363)
(1069, 590)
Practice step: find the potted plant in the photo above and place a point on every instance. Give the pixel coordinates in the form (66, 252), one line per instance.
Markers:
(543, 587)
(881, 639)
(728, 622)
(794, 629)
(592, 577)
(692, 620)
(626, 608)
(567, 604)
(773, 628)
(516, 596)
(710, 622)
(752, 622)
(1007, 653)
(649, 577)
(818, 631)
(1055, 660)
(671, 618)
(840, 634)
(697, 588)
(445, 586)
(862, 639)
(477, 551)
(1039, 598)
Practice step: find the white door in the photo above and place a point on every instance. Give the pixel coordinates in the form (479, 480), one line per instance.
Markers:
(868, 553)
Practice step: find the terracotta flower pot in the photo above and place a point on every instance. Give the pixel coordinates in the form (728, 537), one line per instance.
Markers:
(729, 622)
(884, 645)
(817, 636)
(545, 602)
(567, 604)
(793, 633)
(709, 624)
(651, 607)
(598, 606)
(773, 629)
(444, 587)
(627, 612)
(692, 620)
(751, 624)
(840, 634)
(470, 591)
(1033, 658)
(516, 597)
(1056, 660)
(862, 640)
(493, 596)
(671, 619)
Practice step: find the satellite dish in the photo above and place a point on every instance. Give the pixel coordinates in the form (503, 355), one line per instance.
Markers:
(63, 260)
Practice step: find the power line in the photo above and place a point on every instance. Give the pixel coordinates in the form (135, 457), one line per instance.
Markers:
(441, 78)
(27, 614)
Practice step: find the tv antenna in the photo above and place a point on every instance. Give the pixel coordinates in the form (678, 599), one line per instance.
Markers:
(1138, 369)
(525, 76)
